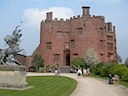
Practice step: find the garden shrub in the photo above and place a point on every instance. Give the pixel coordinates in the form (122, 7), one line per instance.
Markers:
(79, 62)
(124, 77)
(118, 69)
(97, 68)
(104, 70)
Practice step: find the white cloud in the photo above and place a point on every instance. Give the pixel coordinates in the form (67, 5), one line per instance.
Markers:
(33, 16)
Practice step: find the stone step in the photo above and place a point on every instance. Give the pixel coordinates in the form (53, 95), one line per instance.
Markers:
(63, 69)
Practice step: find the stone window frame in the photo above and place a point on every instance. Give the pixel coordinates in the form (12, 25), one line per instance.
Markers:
(56, 57)
(72, 43)
(59, 34)
(75, 55)
(80, 31)
(67, 45)
(110, 37)
(110, 46)
(49, 45)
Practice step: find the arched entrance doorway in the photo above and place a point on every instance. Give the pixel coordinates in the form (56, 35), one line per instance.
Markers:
(67, 58)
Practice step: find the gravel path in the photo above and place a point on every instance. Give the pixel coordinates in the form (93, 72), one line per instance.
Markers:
(89, 86)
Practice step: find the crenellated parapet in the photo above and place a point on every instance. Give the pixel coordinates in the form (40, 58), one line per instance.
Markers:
(86, 13)
(109, 27)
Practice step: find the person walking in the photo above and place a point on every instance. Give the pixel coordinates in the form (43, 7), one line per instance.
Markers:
(56, 72)
(110, 79)
(84, 73)
(79, 73)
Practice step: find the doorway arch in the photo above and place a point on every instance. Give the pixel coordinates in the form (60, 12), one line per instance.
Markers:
(67, 59)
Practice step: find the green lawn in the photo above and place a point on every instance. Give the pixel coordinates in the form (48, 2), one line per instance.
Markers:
(45, 86)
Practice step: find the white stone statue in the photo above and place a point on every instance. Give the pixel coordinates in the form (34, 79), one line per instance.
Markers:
(7, 56)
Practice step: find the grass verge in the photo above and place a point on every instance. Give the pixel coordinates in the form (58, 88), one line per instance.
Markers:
(45, 86)
(105, 78)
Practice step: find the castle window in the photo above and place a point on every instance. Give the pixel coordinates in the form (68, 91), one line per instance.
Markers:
(79, 31)
(56, 57)
(49, 45)
(75, 55)
(67, 34)
(110, 46)
(72, 43)
(59, 34)
(109, 37)
(101, 54)
(67, 45)
(101, 28)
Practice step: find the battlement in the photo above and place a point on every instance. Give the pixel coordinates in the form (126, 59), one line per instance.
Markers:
(61, 19)
(75, 17)
(86, 12)
(99, 17)
(109, 27)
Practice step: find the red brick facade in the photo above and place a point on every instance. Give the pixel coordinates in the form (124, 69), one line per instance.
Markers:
(62, 40)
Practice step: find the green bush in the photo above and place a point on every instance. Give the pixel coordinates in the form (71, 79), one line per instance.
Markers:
(97, 69)
(37, 62)
(124, 77)
(79, 62)
(104, 69)
(118, 69)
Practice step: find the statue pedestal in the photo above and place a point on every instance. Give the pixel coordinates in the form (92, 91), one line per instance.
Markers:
(13, 76)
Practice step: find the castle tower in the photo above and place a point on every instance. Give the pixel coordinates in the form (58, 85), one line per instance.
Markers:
(61, 41)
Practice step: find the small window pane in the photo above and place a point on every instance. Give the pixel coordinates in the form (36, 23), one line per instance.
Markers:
(49, 45)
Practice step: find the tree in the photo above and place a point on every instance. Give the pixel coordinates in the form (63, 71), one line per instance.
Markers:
(79, 62)
(126, 62)
(37, 62)
(91, 58)
(119, 59)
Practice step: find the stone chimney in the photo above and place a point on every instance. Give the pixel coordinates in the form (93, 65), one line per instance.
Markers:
(109, 27)
(86, 10)
(49, 16)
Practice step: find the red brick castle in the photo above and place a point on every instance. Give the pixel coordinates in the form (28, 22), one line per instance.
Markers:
(62, 40)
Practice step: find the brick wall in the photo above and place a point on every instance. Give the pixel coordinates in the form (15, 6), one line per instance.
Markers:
(75, 37)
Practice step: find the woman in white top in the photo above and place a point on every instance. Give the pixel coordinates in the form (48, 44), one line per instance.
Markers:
(79, 72)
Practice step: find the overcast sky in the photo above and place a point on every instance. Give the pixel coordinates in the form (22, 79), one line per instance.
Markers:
(31, 12)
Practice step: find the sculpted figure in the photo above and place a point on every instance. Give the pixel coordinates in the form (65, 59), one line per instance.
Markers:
(7, 56)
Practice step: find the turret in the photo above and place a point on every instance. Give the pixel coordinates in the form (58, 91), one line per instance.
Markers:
(114, 29)
(109, 27)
